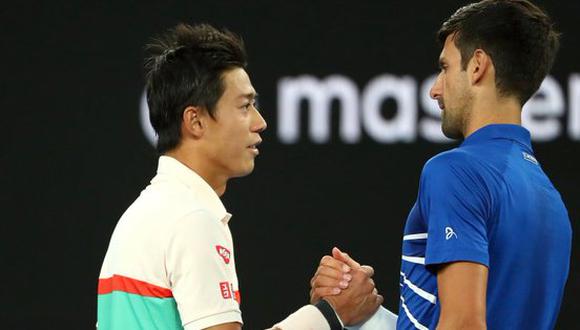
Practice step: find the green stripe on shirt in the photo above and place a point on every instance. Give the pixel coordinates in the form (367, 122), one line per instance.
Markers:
(126, 311)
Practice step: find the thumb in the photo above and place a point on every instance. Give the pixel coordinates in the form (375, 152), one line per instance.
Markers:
(341, 256)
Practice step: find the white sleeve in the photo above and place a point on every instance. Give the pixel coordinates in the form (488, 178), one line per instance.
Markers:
(306, 318)
(382, 319)
(203, 279)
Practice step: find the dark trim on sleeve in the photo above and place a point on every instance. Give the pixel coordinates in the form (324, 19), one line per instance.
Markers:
(329, 314)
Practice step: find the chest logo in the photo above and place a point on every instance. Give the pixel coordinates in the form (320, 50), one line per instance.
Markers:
(449, 233)
(224, 253)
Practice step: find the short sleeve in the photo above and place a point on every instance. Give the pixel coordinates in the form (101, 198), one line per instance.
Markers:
(307, 317)
(201, 274)
(455, 204)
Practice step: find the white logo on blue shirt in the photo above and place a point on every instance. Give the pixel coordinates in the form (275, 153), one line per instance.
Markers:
(449, 233)
(530, 158)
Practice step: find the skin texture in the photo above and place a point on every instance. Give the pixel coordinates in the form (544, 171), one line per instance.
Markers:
(469, 98)
(354, 298)
(227, 326)
(462, 290)
(222, 148)
(453, 94)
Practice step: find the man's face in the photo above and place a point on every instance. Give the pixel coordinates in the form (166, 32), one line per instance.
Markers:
(452, 91)
(234, 134)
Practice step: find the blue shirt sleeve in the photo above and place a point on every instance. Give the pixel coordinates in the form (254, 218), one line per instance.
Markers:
(455, 204)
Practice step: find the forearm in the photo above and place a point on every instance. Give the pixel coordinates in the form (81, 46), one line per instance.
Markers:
(382, 319)
(317, 317)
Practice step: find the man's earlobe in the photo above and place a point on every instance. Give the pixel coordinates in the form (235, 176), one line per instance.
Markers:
(192, 121)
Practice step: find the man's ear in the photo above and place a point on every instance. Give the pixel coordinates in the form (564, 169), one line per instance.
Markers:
(479, 66)
(193, 121)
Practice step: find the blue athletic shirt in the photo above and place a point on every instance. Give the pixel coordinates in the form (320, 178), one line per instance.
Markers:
(489, 202)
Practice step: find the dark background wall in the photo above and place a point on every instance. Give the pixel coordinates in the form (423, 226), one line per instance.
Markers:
(73, 154)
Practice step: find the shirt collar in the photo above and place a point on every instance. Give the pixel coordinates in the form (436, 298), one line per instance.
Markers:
(169, 166)
(500, 131)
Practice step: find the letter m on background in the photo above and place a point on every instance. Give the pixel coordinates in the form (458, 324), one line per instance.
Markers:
(319, 94)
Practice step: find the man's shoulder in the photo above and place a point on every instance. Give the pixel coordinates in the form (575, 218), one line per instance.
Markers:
(450, 160)
(166, 203)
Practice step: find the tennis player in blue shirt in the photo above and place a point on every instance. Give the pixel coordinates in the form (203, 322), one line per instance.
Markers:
(487, 243)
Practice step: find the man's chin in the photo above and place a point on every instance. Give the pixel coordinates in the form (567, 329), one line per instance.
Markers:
(451, 133)
(247, 170)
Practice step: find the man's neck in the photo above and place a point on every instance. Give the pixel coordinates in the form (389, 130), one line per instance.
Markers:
(196, 162)
(493, 110)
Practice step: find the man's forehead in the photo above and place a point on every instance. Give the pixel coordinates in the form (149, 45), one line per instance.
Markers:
(449, 48)
(246, 91)
(238, 83)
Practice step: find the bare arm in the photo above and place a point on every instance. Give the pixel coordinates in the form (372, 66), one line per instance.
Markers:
(462, 290)
(226, 326)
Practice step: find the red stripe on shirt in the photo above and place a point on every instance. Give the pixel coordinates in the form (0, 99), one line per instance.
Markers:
(131, 285)
(238, 297)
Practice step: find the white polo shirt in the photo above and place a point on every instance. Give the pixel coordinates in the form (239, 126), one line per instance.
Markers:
(170, 262)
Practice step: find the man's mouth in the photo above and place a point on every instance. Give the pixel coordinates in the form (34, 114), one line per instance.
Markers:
(254, 147)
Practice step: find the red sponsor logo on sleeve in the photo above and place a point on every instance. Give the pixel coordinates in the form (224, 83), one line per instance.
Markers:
(224, 253)
(225, 290)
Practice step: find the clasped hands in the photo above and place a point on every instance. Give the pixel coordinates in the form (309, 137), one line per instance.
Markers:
(347, 286)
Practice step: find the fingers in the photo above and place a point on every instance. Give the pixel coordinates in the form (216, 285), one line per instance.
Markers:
(330, 278)
(361, 287)
(325, 281)
(331, 262)
(332, 273)
(380, 300)
(369, 270)
(341, 279)
(318, 293)
(344, 257)
(360, 300)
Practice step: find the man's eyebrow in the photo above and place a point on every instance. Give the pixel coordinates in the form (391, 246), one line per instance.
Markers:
(252, 95)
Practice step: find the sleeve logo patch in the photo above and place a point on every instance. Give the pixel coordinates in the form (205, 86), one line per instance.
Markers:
(224, 253)
(225, 290)
(449, 233)
(530, 158)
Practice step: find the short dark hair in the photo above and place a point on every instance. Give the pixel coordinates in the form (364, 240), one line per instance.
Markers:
(185, 67)
(519, 37)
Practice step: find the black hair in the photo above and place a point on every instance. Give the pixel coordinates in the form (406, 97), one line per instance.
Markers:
(184, 67)
(517, 35)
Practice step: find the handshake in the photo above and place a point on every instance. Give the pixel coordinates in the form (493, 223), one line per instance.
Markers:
(347, 286)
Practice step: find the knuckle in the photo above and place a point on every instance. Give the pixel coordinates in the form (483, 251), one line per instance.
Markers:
(315, 283)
